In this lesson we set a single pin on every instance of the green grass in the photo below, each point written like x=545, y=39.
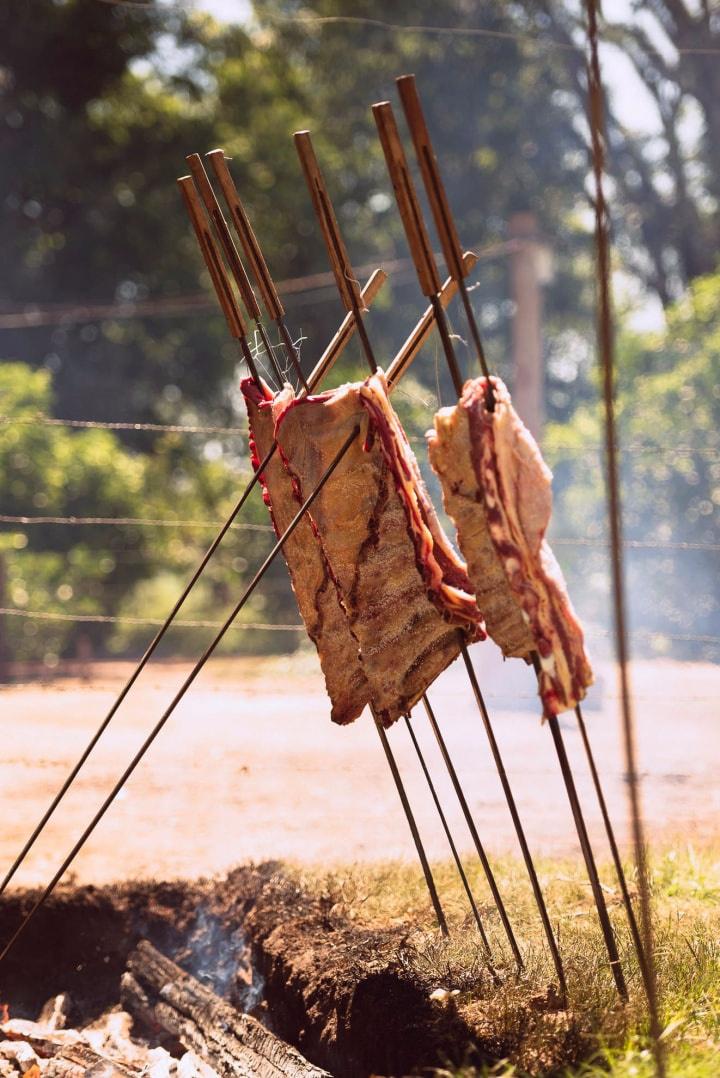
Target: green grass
x=596, y=1035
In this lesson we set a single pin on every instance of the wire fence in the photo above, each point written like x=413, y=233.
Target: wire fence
x=110, y=619
x=172, y=522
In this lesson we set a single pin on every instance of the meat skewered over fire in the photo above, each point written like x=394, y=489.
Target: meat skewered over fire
x=497, y=489
x=383, y=594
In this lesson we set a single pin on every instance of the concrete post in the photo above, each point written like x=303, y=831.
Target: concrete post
x=526, y=277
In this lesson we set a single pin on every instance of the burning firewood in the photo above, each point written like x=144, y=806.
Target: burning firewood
x=236, y=1045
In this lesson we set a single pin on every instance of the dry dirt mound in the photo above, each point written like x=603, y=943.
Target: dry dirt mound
x=341, y=993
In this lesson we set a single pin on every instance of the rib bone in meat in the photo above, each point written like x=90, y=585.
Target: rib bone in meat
x=497, y=489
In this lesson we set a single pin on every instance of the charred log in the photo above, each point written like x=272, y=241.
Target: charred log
x=236, y=1045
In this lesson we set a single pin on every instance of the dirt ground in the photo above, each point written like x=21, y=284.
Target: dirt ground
x=250, y=767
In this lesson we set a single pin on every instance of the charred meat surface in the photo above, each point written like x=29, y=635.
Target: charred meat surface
x=497, y=489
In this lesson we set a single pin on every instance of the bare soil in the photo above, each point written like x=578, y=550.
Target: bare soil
x=338, y=990
x=250, y=767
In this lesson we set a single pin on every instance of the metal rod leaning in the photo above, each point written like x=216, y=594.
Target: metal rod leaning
x=181, y=691
x=349, y=292
x=615, y=852
x=325, y=363
x=255, y=258
x=479, y=848
x=445, y=225
x=453, y=848
x=425, y=266
x=212, y=207
x=607, y=358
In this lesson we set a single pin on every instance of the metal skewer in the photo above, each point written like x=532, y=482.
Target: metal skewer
x=254, y=256
x=445, y=225
x=237, y=269
x=606, y=350
x=424, y=260
x=350, y=294
x=402, y=361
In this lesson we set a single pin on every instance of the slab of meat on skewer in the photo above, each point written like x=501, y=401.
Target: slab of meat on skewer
x=312, y=580
x=403, y=589
x=497, y=489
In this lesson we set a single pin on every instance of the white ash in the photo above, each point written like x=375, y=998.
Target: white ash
x=45, y=1049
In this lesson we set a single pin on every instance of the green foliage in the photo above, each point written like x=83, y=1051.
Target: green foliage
x=124, y=570
x=94, y=127
x=669, y=426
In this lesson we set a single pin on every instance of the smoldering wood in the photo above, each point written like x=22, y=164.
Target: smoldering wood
x=159, y=993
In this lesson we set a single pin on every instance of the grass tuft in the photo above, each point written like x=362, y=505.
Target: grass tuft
x=520, y=1021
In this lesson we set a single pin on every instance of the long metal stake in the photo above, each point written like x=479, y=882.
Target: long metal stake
x=181, y=692
x=617, y=860
x=349, y=292
x=429, y=281
x=519, y=830
x=606, y=348
x=324, y=364
x=588, y=857
x=451, y=843
x=473, y=832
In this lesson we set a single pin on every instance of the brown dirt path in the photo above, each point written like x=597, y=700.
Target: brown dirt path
x=250, y=767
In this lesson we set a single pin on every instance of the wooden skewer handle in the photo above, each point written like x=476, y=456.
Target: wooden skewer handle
x=406, y=197
x=444, y=221
x=248, y=240
x=223, y=233
x=347, y=283
x=425, y=326
x=209, y=251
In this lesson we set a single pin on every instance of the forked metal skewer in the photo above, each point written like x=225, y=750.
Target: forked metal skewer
x=350, y=294
x=402, y=361
x=445, y=225
x=426, y=268
x=214, y=212
x=254, y=256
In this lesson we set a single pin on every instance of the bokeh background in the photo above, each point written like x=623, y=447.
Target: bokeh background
x=107, y=319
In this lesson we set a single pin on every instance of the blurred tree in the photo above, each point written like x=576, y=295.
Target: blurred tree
x=669, y=183
x=669, y=423
x=100, y=569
